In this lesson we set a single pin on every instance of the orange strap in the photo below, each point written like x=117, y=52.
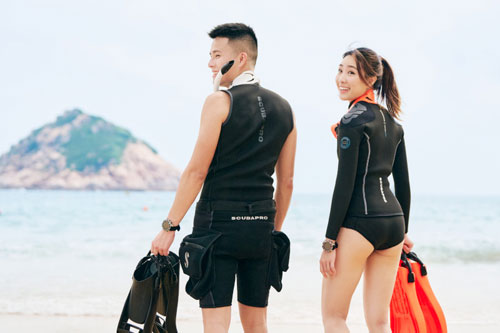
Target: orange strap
x=368, y=96
x=334, y=129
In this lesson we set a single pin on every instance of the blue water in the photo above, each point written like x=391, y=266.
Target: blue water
x=86, y=225
x=58, y=245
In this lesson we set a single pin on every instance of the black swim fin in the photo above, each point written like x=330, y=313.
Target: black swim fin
x=155, y=289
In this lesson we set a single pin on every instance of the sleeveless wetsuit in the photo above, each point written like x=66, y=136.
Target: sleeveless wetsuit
x=237, y=196
x=370, y=146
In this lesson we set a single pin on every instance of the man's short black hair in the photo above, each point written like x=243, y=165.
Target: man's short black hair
x=237, y=32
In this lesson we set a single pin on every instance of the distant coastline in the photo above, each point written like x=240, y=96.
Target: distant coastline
x=83, y=152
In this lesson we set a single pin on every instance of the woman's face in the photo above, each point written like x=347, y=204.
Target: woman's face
x=348, y=80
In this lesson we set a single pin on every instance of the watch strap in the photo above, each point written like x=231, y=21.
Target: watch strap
x=168, y=225
x=329, y=245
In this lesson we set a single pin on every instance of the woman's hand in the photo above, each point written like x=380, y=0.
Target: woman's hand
x=162, y=242
x=407, y=244
x=327, y=263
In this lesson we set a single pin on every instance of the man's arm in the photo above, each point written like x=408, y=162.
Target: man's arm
x=214, y=113
x=284, y=175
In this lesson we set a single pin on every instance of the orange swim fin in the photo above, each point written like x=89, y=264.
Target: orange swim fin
x=433, y=313
x=405, y=312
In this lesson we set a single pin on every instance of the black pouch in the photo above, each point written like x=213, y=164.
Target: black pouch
x=280, y=258
x=196, y=253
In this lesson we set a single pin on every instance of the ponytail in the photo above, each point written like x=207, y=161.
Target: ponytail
x=388, y=90
x=369, y=65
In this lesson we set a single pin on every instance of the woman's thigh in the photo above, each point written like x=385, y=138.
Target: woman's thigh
x=350, y=261
x=380, y=275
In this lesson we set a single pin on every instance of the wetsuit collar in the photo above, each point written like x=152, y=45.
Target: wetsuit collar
x=247, y=77
x=368, y=96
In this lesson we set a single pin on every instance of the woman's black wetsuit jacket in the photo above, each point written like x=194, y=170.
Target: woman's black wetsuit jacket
x=370, y=145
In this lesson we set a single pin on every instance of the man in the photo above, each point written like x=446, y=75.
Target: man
x=246, y=133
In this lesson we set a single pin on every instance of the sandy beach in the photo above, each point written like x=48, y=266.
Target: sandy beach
x=59, y=324
x=72, y=271
x=77, y=324
x=297, y=307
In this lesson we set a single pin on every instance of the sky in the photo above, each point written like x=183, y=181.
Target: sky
x=143, y=65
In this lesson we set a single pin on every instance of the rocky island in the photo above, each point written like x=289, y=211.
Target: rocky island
x=83, y=152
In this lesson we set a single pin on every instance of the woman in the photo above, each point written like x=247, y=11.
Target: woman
x=368, y=224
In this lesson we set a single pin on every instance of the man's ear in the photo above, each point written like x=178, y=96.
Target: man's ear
x=242, y=59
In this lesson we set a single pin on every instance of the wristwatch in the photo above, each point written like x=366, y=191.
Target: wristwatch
x=168, y=225
x=329, y=245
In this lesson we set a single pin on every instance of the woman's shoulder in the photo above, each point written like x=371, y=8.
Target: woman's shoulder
x=361, y=113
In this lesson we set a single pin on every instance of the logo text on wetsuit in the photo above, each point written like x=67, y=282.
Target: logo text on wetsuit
x=263, y=114
x=249, y=218
x=345, y=142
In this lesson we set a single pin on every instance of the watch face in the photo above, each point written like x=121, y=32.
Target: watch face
x=165, y=225
x=327, y=246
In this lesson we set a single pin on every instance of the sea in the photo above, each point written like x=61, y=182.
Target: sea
x=72, y=253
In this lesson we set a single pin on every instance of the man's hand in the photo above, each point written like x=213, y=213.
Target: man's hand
x=162, y=242
x=327, y=263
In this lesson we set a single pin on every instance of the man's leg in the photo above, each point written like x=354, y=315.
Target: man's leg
x=216, y=305
x=253, y=291
x=216, y=320
x=253, y=319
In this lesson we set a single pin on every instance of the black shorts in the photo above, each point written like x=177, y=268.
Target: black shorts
x=243, y=251
x=382, y=232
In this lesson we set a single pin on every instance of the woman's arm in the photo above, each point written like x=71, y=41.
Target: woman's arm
x=349, y=139
x=348, y=148
x=402, y=181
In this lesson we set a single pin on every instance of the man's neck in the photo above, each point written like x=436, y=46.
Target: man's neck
x=245, y=77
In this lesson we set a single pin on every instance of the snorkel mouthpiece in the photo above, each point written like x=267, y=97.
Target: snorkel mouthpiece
x=227, y=67
x=222, y=71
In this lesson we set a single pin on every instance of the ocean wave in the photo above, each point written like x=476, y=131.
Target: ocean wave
x=459, y=255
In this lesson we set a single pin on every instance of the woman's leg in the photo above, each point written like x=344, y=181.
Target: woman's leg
x=216, y=320
x=253, y=319
x=337, y=291
x=380, y=276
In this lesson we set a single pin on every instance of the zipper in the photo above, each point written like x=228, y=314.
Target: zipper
x=198, y=246
x=366, y=172
x=383, y=117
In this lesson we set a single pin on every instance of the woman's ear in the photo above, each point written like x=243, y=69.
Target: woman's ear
x=372, y=81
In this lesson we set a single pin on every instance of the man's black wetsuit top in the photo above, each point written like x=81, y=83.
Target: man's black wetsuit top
x=237, y=197
x=370, y=145
x=249, y=145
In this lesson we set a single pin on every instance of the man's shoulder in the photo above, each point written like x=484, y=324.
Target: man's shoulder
x=275, y=96
x=267, y=96
x=216, y=106
x=220, y=96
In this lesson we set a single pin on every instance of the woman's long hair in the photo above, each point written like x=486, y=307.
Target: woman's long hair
x=370, y=64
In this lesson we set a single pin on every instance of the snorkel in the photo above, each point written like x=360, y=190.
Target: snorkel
x=222, y=71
